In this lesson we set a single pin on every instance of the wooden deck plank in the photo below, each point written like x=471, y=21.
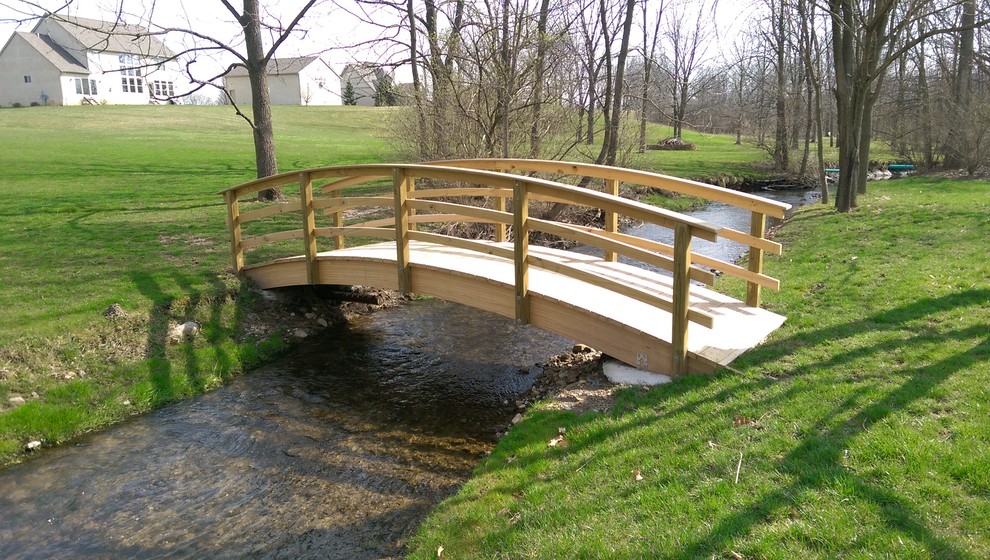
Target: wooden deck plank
x=629, y=330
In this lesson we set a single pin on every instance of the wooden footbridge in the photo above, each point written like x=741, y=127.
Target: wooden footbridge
x=660, y=317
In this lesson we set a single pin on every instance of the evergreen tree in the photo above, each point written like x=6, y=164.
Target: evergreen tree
x=385, y=92
x=348, y=97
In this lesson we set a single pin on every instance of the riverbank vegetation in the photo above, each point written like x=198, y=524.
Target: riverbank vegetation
x=858, y=430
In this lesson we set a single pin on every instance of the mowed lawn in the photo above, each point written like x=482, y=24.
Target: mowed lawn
x=861, y=429
x=110, y=204
x=118, y=204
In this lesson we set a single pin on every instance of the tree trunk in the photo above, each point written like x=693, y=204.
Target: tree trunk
x=416, y=84
x=954, y=150
x=535, y=131
x=257, y=63
x=780, y=150
x=927, y=146
x=610, y=147
x=647, y=70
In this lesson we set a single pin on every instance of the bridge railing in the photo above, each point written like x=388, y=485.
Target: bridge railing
x=485, y=199
x=760, y=209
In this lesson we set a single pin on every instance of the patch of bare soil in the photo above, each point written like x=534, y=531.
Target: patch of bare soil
x=573, y=381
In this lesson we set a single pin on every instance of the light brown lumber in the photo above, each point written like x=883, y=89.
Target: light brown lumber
x=354, y=202
x=460, y=243
x=271, y=210
x=452, y=192
x=234, y=227
x=645, y=178
x=462, y=209
x=660, y=302
x=682, y=303
x=703, y=260
x=400, y=182
x=611, y=218
x=520, y=232
x=357, y=231
x=758, y=225
x=259, y=240
x=636, y=210
x=309, y=228
x=593, y=237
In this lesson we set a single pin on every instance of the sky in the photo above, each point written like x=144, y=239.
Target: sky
x=325, y=30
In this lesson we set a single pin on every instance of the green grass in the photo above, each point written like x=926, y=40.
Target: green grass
x=859, y=430
x=102, y=205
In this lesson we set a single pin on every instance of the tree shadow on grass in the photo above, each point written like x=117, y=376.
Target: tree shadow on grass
x=816, y=462
x=168, y=309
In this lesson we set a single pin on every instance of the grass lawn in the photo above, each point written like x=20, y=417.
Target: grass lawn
x=861, y=429
x=103, y=205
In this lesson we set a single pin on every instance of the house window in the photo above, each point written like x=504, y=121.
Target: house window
x=163, y=89
x=27, y=79
x=132, y=85
x=85, y=87
x=130, y=65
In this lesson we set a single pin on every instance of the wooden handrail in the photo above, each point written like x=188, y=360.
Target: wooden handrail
x=647, y=179
x=412, y=205
x=759, y=207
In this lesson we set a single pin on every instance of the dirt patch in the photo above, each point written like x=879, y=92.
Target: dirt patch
x=572, y=381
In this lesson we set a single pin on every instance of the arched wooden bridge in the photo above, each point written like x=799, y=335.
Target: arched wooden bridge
x=662, y=322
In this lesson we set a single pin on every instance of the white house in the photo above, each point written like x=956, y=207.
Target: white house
x=305, y=80
x=68, y=60
x=364, y=78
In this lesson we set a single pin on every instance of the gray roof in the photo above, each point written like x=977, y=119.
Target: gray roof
x=113, y=36
x=55, y=54
x=278, y=66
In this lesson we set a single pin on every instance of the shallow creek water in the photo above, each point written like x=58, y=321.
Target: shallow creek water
x=337, y=451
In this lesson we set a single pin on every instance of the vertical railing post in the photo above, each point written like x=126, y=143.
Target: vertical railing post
x=520, y=234
x=400, y=184
x=682, y=301
x=611, y=218
x=309, y=227
x=234, y=227
x=338, y=219
x=500, y=227
x=410, y=189
x=757, y=228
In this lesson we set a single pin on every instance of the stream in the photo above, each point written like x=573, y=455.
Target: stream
x=338, y=450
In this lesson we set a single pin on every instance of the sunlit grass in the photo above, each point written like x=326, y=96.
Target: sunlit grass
x=859, y=430
x=112, y=204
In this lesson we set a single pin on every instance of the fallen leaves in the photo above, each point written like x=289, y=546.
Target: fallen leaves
x=559, y=441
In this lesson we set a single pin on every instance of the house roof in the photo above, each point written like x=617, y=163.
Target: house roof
x=59, y=57
x=278, y=66
x=112, y=36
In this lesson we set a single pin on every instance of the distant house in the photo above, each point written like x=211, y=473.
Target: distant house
x=305, y=80
x=69, y=60
x=364, y=78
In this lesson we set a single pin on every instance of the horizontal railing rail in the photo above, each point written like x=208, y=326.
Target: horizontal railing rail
x=760, y=208
x=486, y=197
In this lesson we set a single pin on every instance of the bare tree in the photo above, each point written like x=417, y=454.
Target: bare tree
x=868, y=37
x=688, y=45
x=649, y=61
